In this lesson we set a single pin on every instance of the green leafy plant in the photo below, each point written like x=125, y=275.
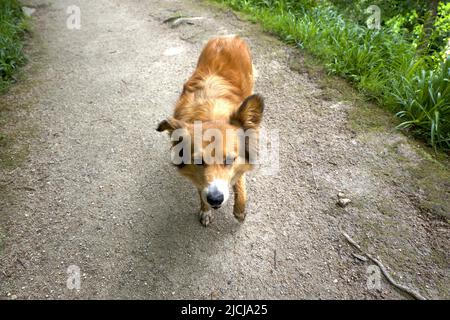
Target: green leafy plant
x=13, y=26
x=425, y=104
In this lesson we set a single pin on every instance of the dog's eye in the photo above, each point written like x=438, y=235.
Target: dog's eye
x=229, y=160
x=182, y=164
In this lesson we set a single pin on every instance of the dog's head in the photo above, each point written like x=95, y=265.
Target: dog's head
x=214, y=154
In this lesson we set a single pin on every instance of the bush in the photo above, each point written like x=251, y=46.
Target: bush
x=12, y=29
x=425, y=104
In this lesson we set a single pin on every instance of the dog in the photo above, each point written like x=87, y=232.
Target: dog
x=217, y=103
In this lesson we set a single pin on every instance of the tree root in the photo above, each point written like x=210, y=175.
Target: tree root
x=401, y=287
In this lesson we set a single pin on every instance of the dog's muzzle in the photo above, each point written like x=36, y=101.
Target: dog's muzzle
x=216, y=193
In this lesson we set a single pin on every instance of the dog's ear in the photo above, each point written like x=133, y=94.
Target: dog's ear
x=249, y=114
x=170, y=125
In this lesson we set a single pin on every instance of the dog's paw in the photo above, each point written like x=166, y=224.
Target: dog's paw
x=240, y=216
x=206, y=217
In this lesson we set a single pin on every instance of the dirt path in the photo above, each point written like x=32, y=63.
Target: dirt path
x=87, y=181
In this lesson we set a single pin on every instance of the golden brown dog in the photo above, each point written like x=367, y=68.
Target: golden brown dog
x=217, y=120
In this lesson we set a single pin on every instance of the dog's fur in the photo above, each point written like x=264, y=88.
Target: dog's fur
x=219, y=94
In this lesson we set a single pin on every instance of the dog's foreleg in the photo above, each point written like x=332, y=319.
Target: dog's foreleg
x=206, y=215
x=240, y=199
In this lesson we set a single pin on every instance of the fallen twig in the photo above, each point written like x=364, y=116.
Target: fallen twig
x=25, y=188
x=178, y=20
x=21, y=263
x=401, y=287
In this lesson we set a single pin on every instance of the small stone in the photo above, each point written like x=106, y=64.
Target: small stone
x=335, y=281
x=13, y=297
x=28, y=11
x=343, y=202
x=341, y=195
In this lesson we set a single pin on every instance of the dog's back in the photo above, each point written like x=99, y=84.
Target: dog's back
x=222, y=80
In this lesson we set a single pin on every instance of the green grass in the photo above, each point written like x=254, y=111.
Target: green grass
x=424, y=103
x=382, y=64
x=13, y=27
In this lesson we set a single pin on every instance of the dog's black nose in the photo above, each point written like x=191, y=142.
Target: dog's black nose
x=215, y=198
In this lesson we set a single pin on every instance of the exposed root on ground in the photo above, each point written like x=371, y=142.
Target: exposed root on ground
x=383, y=269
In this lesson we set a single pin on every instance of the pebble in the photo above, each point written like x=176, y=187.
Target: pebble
x=28, y=11
x=341, y=195
x=343, y=202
